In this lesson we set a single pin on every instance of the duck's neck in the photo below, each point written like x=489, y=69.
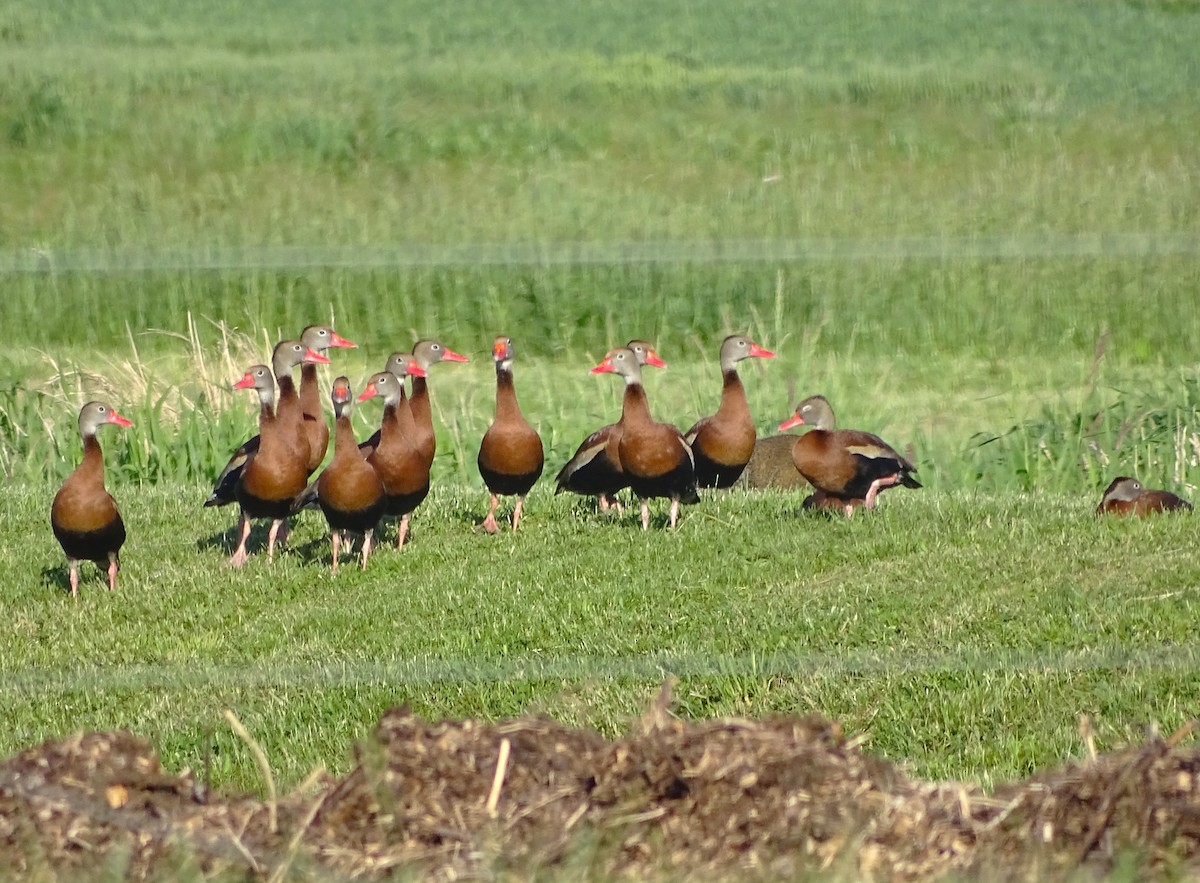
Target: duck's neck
x=91, y=467
x=310, y=391
x=419, y=402
x=506, y=395
x=634, y=407
x=733, y=396
x=344, y=444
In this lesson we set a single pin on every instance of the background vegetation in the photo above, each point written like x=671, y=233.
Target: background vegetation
x=974, y=227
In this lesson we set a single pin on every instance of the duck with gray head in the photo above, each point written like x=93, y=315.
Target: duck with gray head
x=84, y=515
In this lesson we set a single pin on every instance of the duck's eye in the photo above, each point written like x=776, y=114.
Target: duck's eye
x=741, y=343
x=102, y=409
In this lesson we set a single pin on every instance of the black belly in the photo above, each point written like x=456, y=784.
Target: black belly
x=403, y=504
x=597, y=476
x=356, y=520
x=92, y=545
x=678, y=484
x=262, y=507
x=710, y=473
x=506, y=484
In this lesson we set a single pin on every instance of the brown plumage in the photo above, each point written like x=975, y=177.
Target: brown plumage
x=510, y=454
x=84, y=516
x=771, y=465
x=427, y=353
x=848, y=464
x=317, y=338
x=723, y=443
x=277, y=472
x=401, y=467
x=349, y=489
x=654, y=455
x=591, y=471
x=1126, y=496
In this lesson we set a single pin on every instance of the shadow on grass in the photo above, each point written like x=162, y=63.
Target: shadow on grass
x=59, y=576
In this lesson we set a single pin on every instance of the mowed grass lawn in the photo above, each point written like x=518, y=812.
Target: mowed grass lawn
x=955, y=219
x=963, y=632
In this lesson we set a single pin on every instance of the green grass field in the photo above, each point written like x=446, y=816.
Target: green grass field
x=976, y=228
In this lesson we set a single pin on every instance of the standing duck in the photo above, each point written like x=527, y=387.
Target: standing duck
x=427, y=353
x=723, y=443
x=84, y=516
x=653, y=455
x=277, y=472
x=510, y=455
x=591, y=471
x=349, y=490
x=317, y=338
x=1126, y=496
x=771, y=465
x=400, y=466
x=846, y=464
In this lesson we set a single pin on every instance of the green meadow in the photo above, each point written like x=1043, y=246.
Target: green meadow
x=974, y=227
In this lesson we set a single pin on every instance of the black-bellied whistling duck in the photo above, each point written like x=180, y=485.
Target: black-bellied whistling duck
x=349, y=489
x=427, y=353
x=510, y=455
x=277, y=472
x=654, y=455
x=1126, y=496
x=722, y=444
x=771, y=465
x=401, y=466
x=84, y=516
x=847, y=464
x=293, y=411
x=317, y=338
x=591, y=471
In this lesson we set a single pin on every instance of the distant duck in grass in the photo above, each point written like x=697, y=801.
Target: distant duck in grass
x=771, y=465
x=84, y=515
x=723, y=443
x=847, y=464
x=510, y=455
x=592, y=470
x=401, y=467
x=1126, y=496
x=317, y=338
x=277, y=472
x=654, y=455
x=349, y=490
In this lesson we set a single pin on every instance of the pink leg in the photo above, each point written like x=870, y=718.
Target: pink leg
x=876, y=486
x=73, y=573
x=336, y=537
x=645, y=515
x=368, y=538
x=604, y=502
x=113, y=566
x=272, y=534
x=403, y=532
x=284, y=530
x=489, y=523
x=240, y=556
x=674, y=513
x=517, y=513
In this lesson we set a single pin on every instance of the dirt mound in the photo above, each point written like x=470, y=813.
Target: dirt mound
x=772, y=798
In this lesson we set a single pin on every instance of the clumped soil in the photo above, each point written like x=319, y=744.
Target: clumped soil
x=766, y=799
